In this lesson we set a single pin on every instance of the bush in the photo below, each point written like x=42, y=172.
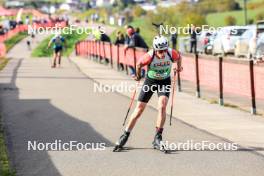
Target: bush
x=259, y=16
x=250, y=21
x=209, y=6
x=138, y=11
x=255, y=5
x=230, y=21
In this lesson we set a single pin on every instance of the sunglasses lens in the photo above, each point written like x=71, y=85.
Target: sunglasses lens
x=161, y=51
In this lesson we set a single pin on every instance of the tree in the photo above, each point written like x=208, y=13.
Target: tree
x=138, y=11
x=259, y=16
x=195, y=19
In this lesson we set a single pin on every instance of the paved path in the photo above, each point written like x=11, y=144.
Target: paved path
x=44, y=104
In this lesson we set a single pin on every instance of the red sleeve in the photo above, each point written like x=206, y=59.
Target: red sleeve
x=145, y=59
x=175, y=55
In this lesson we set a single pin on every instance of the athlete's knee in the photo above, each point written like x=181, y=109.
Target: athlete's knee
x=139, y=109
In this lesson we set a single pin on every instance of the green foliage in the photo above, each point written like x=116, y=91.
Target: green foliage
x=179, y=17
x=209, y=6
x=255, y=5
x=230, y=21
x=138, y=11
x=41, y=50
x=5, y=169
x=71, y=39
x=259, y=16
x=3, y=62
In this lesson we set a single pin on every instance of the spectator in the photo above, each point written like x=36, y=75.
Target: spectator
x=173, y=39
x=2, y=31
x=27, y=21
x=193, y=39
x=120, y=39
x=132, y=40
x=104, y=38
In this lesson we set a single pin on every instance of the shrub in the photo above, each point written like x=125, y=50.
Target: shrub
x=230, y=20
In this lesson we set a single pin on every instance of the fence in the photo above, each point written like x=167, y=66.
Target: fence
x=241, y=78
x=22, y=28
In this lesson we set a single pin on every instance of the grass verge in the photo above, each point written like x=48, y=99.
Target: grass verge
x=14, y=40
x=3, y=62
x=5, y=168
x=42, y=51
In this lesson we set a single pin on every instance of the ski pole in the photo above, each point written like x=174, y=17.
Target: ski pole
x=131, y=102
x=172, y=98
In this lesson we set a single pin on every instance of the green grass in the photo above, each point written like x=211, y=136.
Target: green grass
x=42, y=51
x=218, y=19
x=5, y=168
x=3, y=62
x=14, y=40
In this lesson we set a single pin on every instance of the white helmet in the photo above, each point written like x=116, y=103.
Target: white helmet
x=160, y=43
x=57, y=34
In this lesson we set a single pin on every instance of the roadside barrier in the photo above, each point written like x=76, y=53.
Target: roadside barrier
x=23, y=28
x=226, y=76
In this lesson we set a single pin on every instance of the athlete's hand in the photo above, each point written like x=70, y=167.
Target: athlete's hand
x=178, y=69
x=137, y=78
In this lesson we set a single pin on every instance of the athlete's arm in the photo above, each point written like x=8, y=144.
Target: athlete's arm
x=65, y=44
x=144, y=60
x=138, y=71
x=176, y=57
x=51, y=41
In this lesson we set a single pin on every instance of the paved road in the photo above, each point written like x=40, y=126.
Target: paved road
x=44, y=104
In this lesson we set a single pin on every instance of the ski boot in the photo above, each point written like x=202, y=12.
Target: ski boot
x=121, y=142
x=157, y=143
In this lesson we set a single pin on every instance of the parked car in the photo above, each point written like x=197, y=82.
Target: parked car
x=247, y=44
x=184, y=44
x=224, y=42
x=260, y=47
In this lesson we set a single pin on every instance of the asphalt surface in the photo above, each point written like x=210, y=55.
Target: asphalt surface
x=43, y=104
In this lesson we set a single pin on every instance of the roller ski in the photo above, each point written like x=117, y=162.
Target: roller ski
x=121, y=142
x=158, y=144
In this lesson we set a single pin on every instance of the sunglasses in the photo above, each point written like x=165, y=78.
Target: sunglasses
x=161, y=51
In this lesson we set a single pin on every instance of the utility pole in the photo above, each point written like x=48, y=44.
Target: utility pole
x=245, y=11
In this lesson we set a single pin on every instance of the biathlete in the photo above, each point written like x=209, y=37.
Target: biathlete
x=58, y=43
x=160, y=62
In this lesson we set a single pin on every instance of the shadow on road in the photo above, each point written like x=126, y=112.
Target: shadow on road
x=38, y=120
